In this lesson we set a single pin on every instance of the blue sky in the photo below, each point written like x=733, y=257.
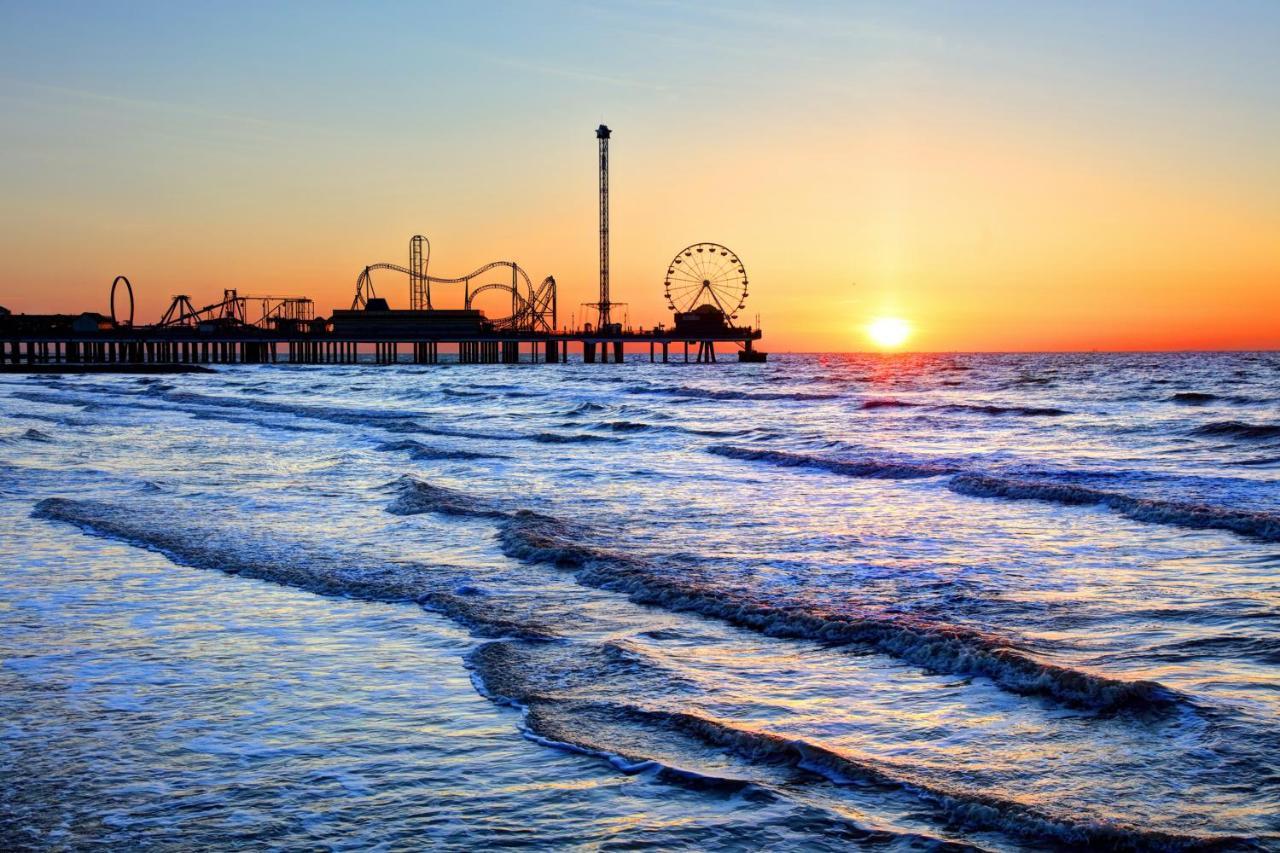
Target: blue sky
x=243, y=129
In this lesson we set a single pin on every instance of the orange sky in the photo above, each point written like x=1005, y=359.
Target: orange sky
x=1001, y=186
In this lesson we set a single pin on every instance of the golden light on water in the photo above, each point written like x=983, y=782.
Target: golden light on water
x=888, y=332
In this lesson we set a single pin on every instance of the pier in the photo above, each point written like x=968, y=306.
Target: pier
x=43, y=340
x=705, y=286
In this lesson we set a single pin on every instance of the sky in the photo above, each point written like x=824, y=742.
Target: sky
x=1001, y=176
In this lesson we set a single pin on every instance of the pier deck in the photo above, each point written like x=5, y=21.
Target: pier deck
x=252, y=345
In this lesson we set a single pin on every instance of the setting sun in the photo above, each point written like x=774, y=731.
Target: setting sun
x=888, y=332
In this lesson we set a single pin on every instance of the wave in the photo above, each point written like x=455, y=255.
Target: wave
x=602, y=731
x=623, y=426
x=380, y=418
x=871, y=468
x=1251, y=523
x=715, y=433
x=295, y=564
x=585, y=408
x=568, y=437
x=887, y=404
x=635, y=739
x=688, y=393
x=36, y=435
x=422, y=453
x=935, y=646
x=415, y=496
x=450, y=432
x=1238, y=429
x=132, y=401
x=390, y=421
x=1228, y=647
x=228, y=418
x=1258, y=525
x=988, y=409
x=56, y=399
x=395, y=422
x=940, y=647
x=1193, y=398
x=960, y=806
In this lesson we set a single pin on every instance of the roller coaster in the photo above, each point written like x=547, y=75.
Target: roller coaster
x=532, y=309
x=235, y=309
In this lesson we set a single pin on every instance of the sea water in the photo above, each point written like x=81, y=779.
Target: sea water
x=1004, y=602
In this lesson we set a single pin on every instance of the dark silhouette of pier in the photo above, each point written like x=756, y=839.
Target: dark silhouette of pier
x=705, y=286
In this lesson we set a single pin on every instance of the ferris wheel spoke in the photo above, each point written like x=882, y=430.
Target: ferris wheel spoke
x=726, y=296
x=730, y=302
x=718, y=302
x=686, y=290
x=692, y=270
x=703, y=263
x=682, y=285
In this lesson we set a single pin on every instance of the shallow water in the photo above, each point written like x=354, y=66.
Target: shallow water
x=1004, y=602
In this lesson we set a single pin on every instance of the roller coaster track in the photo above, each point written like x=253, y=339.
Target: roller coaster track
x=529, y=310
x=235, y=307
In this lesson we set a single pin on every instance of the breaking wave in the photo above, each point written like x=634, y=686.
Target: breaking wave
x=415, y=496
x=637, y=739
x=935, y=646
x=296, y=565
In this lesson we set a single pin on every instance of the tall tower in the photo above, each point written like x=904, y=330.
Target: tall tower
x=419, y=284
x=602, y=134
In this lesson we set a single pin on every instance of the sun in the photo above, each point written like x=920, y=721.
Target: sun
x=888, y=332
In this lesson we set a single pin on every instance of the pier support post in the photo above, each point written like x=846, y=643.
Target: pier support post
x=588, y=352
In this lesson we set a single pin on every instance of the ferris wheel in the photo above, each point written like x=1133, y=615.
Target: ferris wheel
x=706, y=274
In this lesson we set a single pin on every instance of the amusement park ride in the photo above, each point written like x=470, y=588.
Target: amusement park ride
x=705, y=286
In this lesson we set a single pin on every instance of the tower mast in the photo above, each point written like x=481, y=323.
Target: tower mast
x=602, y=134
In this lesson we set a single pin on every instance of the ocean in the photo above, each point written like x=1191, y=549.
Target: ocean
x=996, y=602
